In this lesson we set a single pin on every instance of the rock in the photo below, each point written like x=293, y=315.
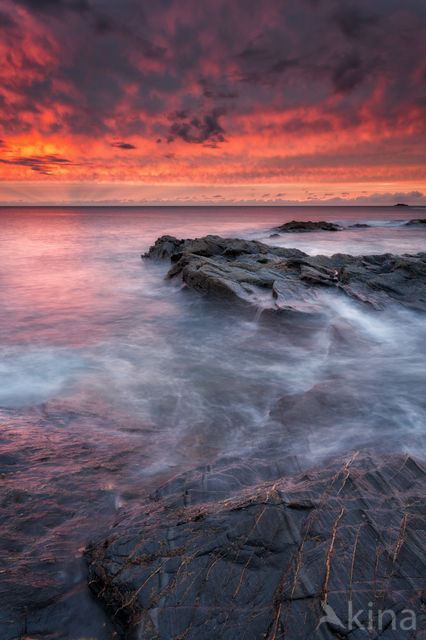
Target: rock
x=359, y=225
x=275, y=235
x=318, y=276
x=209, y=246
x=165, y=247
x=401, y=204
x=256, y=275
x=296, y=226
x=216, y=553
x=384, y=277
x=416, y=222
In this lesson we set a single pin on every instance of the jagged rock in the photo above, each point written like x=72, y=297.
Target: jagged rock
x=255, y=274
x=216, y=553
x=165, y=247
x=296, y=226
x=318, y=276
x=209, y=246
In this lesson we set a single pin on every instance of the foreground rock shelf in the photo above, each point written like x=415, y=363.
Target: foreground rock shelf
x=289, y=280
x=221, y=553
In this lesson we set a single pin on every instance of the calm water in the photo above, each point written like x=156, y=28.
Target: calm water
x=112, y=380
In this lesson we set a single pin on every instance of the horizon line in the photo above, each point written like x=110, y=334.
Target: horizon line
x=208, y=206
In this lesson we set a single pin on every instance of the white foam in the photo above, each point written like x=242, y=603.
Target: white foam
x=33, y=374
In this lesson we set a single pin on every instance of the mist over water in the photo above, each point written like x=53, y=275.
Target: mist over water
x=112, y=379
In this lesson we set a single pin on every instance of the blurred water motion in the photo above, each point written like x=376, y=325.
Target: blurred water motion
x=112, y=380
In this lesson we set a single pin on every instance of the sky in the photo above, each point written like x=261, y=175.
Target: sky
x=213, y=102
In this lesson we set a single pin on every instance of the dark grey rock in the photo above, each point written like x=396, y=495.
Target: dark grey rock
x=219, y=553
x=300, y=226
x=416, y=222
x=165, y=247
x=257, y=275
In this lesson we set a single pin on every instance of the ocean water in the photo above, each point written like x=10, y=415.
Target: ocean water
x=112, y=380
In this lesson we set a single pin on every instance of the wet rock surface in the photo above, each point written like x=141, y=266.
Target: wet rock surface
x=254, y=273
x=245, y=549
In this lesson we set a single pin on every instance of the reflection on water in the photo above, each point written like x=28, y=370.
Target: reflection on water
x=112, y=379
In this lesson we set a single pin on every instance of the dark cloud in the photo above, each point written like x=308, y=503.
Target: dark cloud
x=298, y=125
x=114, y=70
x=182, y=114
x=103, y=25
x=205, y=129
x=55, y=6
x=262, y=62
x=123, y=145
x=352, y=21
x=6, y=21
x=40, y=164
x=221, y=90
x=349, y=72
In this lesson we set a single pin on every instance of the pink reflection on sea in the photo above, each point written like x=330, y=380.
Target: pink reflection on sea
x=112, y=379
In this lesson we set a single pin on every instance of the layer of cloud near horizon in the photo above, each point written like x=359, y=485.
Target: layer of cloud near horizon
x=216, y=92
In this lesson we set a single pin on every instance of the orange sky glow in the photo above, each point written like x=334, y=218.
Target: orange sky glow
x=322, y=103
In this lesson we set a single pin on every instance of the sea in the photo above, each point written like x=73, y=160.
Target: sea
x=114, y=379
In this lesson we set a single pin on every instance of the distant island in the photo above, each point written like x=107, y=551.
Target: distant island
x=401, y=204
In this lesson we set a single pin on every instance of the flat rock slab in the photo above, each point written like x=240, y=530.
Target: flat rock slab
x=295, y=557
x=255, y=274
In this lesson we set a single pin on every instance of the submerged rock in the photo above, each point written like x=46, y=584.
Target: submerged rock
x=359, y=225
x=300, y=226
x=255, y=274
x=221, y=552
x=416, y=222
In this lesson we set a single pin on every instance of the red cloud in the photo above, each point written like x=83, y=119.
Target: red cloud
x=269, y=95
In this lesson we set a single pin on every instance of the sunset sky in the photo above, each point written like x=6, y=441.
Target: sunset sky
x=212, y=102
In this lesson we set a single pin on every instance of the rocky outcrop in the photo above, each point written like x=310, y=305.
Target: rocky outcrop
x=288, y=280
x=257, y=547
x=230, y=551
x=300, y=226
